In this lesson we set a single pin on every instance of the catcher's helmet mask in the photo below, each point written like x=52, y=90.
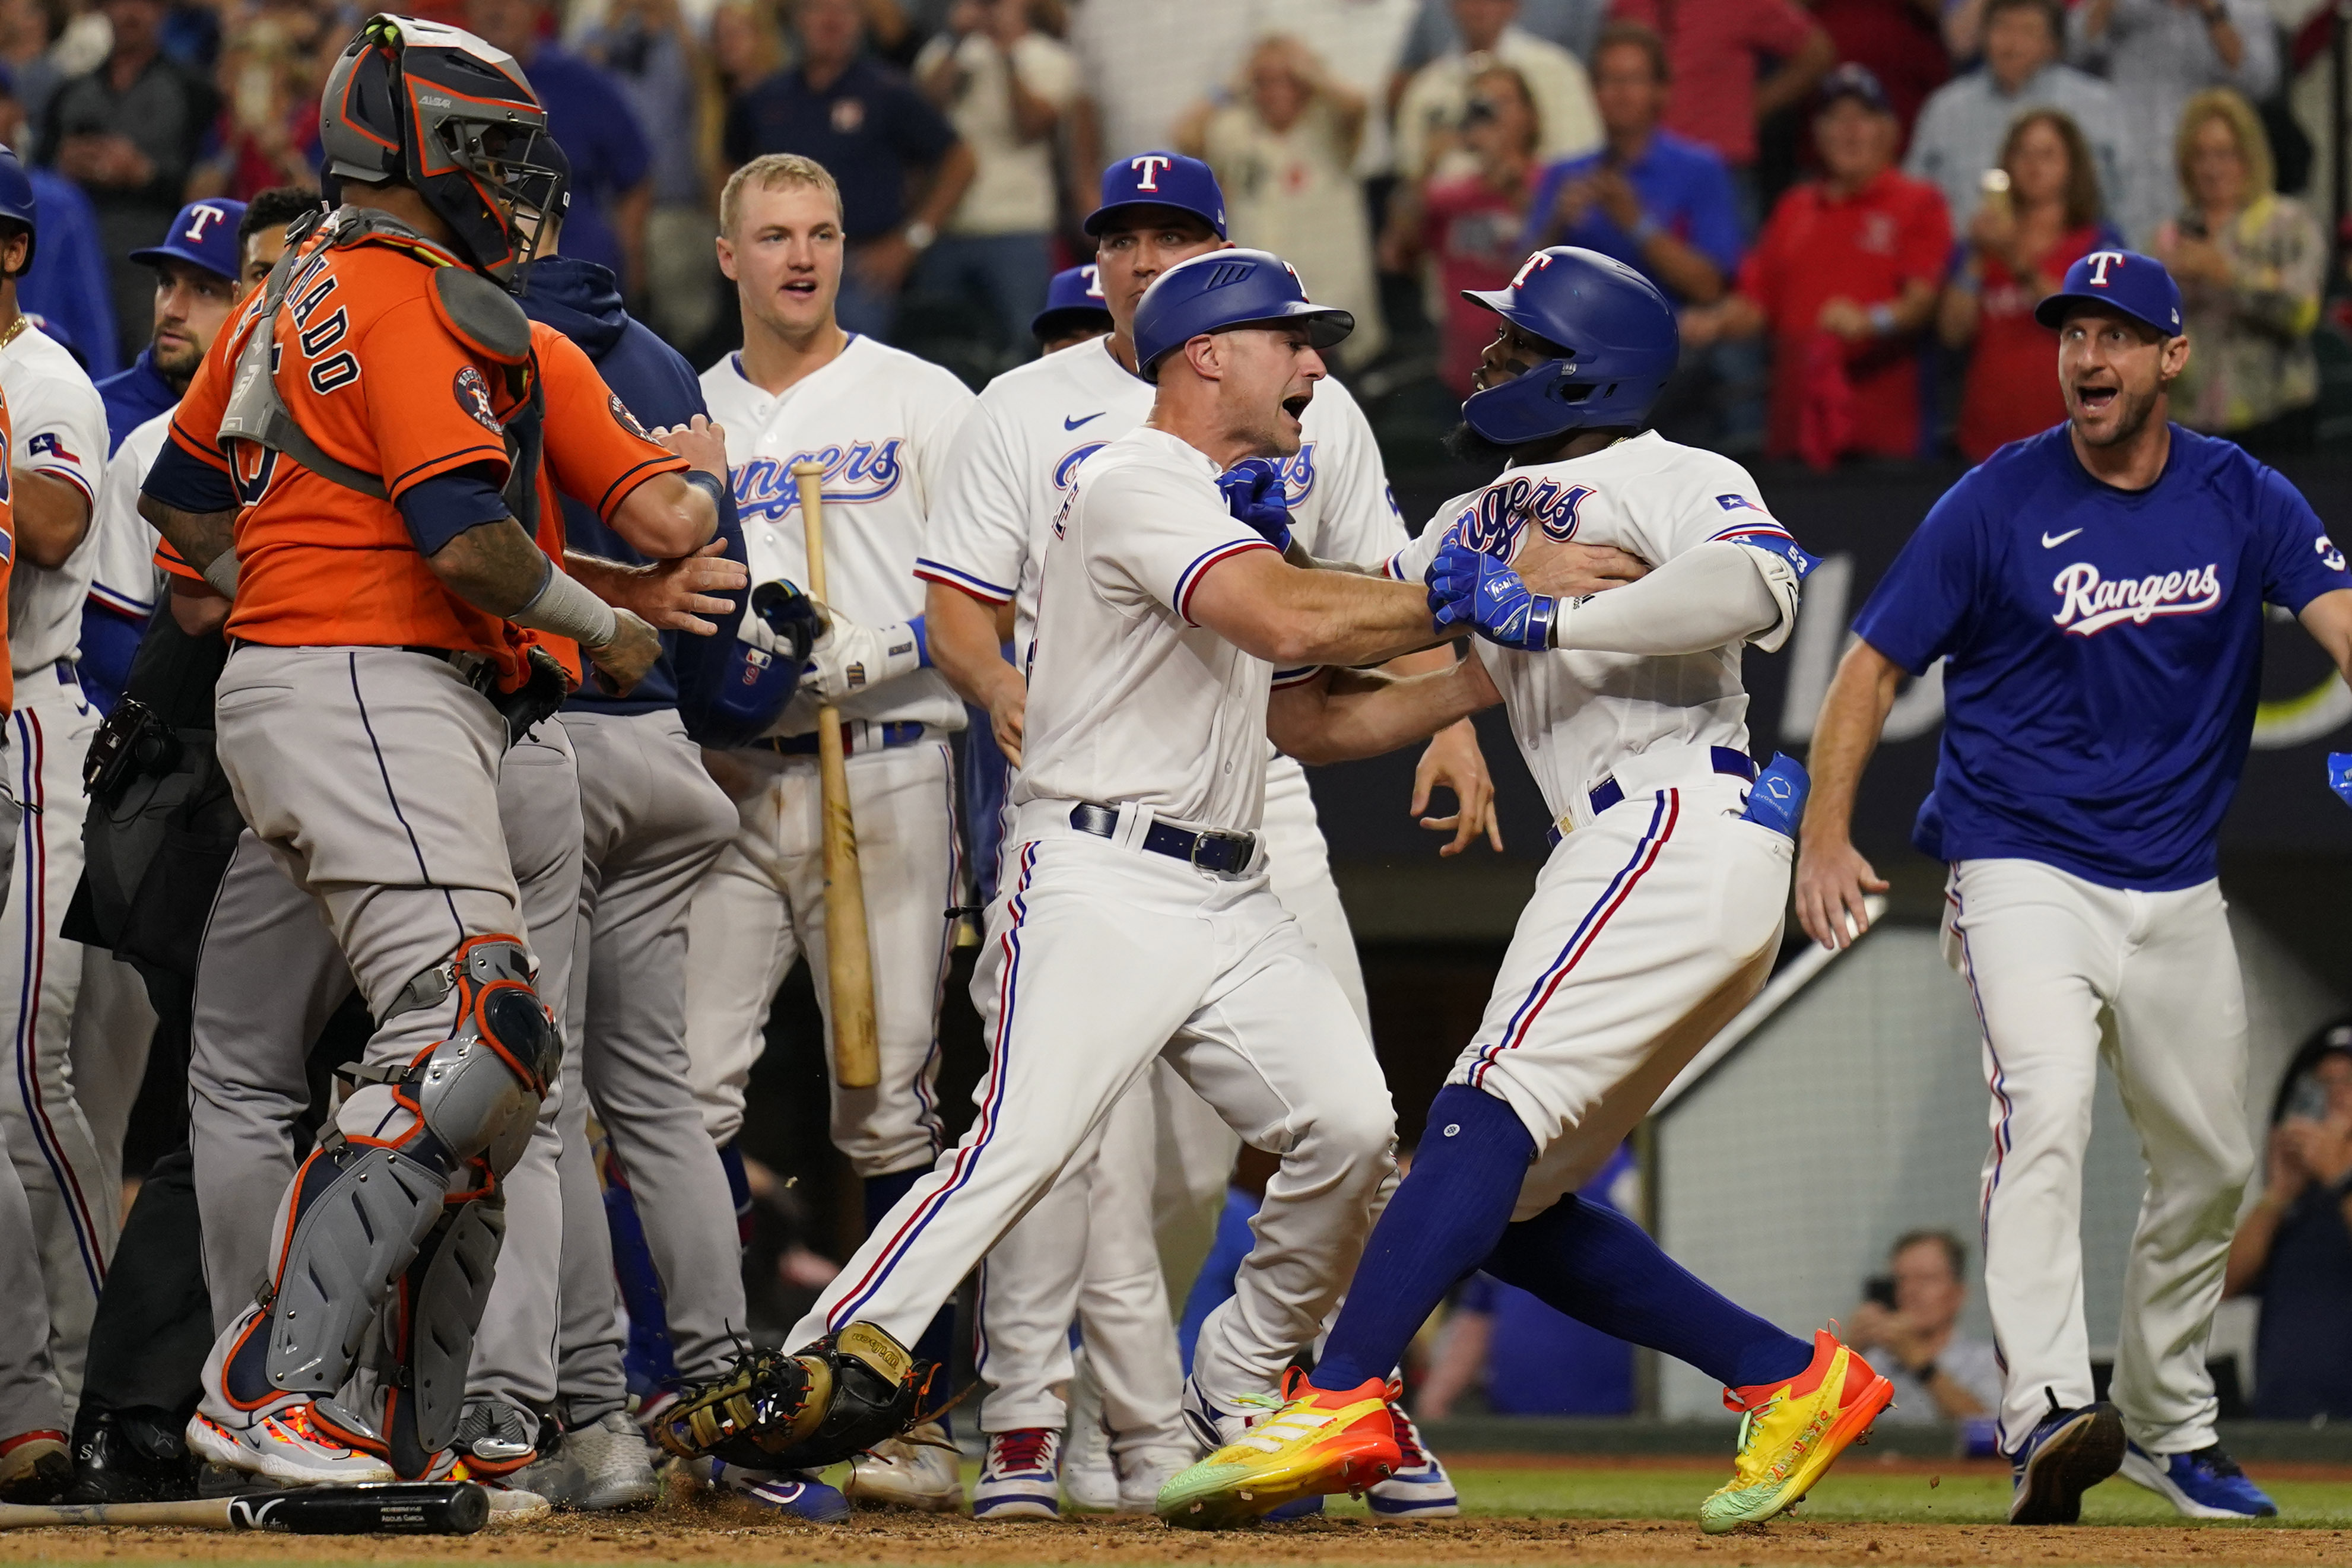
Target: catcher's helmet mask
x=437, y=109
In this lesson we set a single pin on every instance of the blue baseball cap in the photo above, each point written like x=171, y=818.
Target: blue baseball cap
x=1161, y=180
x=2122, y=280
x=203, y=234
x=1072, y=300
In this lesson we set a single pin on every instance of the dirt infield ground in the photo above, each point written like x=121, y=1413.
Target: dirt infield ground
x=1527, y=1511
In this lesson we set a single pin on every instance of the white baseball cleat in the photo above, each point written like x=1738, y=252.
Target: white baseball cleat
x=915, y=1471
x=1419, y=1489
x=285, y=1445
x=1142, y=1473
x=1021, y=1478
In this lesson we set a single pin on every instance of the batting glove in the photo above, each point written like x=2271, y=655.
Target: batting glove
x=1254, y=494
x=1469, y=587
x=850, y=658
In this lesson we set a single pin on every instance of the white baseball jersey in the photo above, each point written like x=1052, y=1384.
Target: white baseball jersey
x=1129, y=699
x=57, y=430
x=882, y=422
x=125, y=578
x=1576, y=715
x=1014, y=461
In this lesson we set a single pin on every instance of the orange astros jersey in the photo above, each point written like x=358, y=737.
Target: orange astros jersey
x=371, y=373
x=594, y=451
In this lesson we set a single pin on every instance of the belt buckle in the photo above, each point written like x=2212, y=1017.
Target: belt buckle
x=1219, y=836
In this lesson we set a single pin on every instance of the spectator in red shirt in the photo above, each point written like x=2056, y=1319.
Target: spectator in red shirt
x=1843, y=277
x=1469, y=224
x=1716, y=47
x=2019, y=245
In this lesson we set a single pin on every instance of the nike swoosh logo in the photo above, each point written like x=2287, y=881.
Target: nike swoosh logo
x=1070, y=424
x=2050, y=543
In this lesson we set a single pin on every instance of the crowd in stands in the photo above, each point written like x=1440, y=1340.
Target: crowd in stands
x=1854, y=202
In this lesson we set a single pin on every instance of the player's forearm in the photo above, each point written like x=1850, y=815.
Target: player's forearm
x=1852, y=714
x=1346, y=714
x=666, y=517
x=51, y=518
x=495, y=567
x=964, y=644
x=200, y=537
x=1348, y=619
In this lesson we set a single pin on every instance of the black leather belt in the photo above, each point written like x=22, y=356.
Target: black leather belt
x=476, y=669
x=1214, y=850
x=1737, y=763
x=896, y=732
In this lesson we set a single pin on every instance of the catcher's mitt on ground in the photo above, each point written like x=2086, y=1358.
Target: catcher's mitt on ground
x=824, y=1402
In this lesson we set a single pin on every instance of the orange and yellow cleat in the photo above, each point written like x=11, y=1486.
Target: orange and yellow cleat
x=1790, y=1433
x=1321, y=1441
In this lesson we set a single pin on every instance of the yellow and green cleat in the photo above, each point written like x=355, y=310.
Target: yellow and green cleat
x=1320, y=1441
x=1790, y=1433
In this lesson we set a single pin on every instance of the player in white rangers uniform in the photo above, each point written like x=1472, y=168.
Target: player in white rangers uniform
x=1013, y=464
x=1133, y=917
x=881, y=421
x=57, y=454
x=1654, y=919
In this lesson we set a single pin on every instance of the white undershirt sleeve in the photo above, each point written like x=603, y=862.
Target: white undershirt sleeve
x=1712, y=594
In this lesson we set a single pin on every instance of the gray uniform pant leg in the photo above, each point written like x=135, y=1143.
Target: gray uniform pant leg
x=28, y=1385
x=654, y=824
x=268, y=979
x=539, y=804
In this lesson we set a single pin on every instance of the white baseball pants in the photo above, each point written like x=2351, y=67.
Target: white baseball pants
x=29, y=1388
x=2044, y=951
x=761, y=907
x=1086, y=1251
x=76, y=1207
x=1103, y=957
x=1651, y=926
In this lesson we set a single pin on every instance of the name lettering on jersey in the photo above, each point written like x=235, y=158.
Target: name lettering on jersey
x=1067, y=468
x=861, y=471
x=1492, y=524
x=2089, y=603
x=1298, y=477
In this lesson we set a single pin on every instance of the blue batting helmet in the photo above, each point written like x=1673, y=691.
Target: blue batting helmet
x=1220, y=290
x=764, y=667
x=1618, y=345
x=17, y=203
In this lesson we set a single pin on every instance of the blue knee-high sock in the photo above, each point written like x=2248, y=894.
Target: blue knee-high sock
x=646, y=1361
x=1601, y=1269
x=739, y=1189
x=937, y=1342
x=1446, y=1217
x=1214, y=1283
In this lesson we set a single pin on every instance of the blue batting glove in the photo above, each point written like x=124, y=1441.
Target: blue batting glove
x=1254, y=494
x=2339, y=775
x=1466, y=585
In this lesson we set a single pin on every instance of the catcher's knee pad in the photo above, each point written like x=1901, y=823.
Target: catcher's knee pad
x=478, y=1091
x=354, y=1221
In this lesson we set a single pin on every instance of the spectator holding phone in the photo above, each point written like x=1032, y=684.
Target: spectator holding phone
x=2294, y=1248
x=1429, y=112
x=1468, y=225
x=2250, y=263
x=2040, y=215
x=1909, y=1326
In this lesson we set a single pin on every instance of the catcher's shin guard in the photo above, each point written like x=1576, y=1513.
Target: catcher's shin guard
x=823, y=1404
x=438, y=1308
x=361, y=1207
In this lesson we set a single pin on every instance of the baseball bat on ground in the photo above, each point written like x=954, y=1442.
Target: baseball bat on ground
x=393, y=1508
x=848, y=964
